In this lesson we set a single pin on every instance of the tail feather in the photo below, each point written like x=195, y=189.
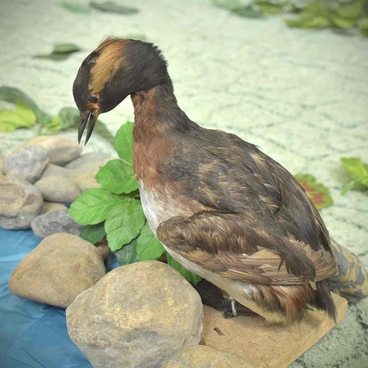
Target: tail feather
x=323, y=299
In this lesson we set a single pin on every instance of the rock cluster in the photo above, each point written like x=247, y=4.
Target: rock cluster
x=40, y=177
x=136, y=316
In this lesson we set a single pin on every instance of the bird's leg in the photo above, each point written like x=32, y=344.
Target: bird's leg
x=233, y=307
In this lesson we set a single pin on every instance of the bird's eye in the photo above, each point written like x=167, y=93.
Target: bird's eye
x=93, y=99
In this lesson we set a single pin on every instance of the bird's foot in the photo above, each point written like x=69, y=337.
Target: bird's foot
x=233, y=309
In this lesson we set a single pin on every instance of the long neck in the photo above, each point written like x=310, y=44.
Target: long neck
x=157, y=111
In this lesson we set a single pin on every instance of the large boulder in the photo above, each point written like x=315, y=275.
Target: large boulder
x=58, y=189
x=57, y=270
x=27, y=163
x=59, y=150
x=205, y=357
x=53, y=222
x=20, y=202
x=136, y=316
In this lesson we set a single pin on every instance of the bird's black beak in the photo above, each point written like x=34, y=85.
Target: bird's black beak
x=85, y=116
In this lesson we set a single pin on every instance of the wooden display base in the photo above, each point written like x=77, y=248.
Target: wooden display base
x=267, y=346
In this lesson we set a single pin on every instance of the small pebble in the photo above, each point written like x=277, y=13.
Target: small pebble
x=20, y=202
x=59, y=150
x=58, y=189
x=55, y=170
x=52, y=206
x=53, y=222
x=27, y=163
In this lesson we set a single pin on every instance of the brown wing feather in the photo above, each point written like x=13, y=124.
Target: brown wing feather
x=229, y=245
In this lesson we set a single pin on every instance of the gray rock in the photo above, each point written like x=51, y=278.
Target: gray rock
x=53, y=222
x=58, y=189
x=52, y=206
x=205, y=357
x=88, y=158
x=20, y=202
x=136, y=316
x=59, y=150
x=27, y=163
x=57, y=270
x=55, y=170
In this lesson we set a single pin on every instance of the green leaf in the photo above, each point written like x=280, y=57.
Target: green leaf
x=60, y=52
x=127, y=254
x=357, y=170
x=94, y=205
x=111, y=7
x=22, y=117
x=227, y=4
x=15, y=95
x=117, y=177
x=343, y=22
x=266, y=7
x=65, y=48
x=93, y=233
x=247, y=12
x=352, y=10
x=148, y=247
x=123, y=142
x=75, y=8
x=363, y=26
x=124, y=223
x=55, y=57
x=308, y=21
x=136, y=36
x=191, y=277
x=317, y=192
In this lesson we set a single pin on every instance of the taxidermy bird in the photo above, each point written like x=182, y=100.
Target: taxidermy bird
x=222, y=208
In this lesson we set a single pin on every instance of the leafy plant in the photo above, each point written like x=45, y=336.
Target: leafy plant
x=116, y=210
x=312, y=14
x=60, y=52
x=317, y=192
x=358, y=172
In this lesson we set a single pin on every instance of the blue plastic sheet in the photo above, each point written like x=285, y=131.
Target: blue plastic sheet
x=31, y=334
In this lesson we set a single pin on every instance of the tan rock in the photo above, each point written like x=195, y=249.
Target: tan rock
x=58, y=189
x=86, y=181
x=57, y=270
x=52, y=206
x=205, y=357
x=137, y=316
x=59, y=150
x=55, y=170
x=20, y=202
x=94, y=158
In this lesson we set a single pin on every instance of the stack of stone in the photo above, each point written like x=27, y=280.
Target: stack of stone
x=41, y=176
x=142, y=315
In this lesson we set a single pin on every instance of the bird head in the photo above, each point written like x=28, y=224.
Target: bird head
x=116, y=69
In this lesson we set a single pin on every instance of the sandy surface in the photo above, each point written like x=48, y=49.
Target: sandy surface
x=302, y=96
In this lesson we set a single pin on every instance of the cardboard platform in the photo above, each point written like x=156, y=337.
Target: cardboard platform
x=267, y=346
